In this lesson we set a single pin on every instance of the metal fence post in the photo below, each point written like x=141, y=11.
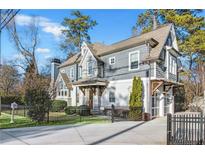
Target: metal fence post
x=201, y=129
x=169, y=127
x=112, y=113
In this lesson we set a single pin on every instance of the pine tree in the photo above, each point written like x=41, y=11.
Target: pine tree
x=76, y=31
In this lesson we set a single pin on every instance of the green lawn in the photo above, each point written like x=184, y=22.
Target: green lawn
x=55, y=119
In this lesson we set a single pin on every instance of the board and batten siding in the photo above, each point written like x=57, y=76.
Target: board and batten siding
x=160, y=72
x=67, y=70
x=120, y=70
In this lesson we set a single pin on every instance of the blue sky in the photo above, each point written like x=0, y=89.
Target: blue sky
x=113, y=26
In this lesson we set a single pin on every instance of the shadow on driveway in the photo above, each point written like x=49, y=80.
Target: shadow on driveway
x=116, y=134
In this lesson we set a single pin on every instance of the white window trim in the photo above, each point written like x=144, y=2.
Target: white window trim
x=111, y=59
x=130, y=61
x=172, y=65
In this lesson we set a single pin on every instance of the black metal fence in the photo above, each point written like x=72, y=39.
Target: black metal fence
x=186, y=129
x=111, y=114
x=20, y=111
x=119, y=114
x=77, y=116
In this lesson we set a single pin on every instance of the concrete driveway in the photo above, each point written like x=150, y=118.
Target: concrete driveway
x=152, y=132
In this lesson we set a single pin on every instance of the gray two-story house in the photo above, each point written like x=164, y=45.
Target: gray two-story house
x=101, y=75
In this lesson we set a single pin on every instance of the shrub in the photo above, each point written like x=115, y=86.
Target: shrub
x=70, y=110
x=135, y=103
x=10, y=99
x=83, y=110
x=36, y=93
x=58, y=105
x=38, y=102
x=135, y=114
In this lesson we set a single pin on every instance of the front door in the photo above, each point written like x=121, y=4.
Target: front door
x=90, y=99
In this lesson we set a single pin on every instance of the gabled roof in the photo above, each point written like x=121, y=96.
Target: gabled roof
x=74, y=59
x=66, y=81
x=156, y=38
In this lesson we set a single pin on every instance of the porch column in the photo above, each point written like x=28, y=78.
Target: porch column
x=161, y=105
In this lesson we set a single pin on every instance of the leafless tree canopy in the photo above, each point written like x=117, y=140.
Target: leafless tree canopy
x=26, y=41
x=9, y=79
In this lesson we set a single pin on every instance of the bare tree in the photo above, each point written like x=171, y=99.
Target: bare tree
x=26, y=41
x=9, y=79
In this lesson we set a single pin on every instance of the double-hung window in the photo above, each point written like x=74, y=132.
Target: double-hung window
x=80, y=71
x=90, y=68
x=172, y=65
x=112, y=96
x=134, y=60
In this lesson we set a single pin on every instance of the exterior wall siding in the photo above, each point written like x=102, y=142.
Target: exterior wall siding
x=160, y=73
x=172, y=77
x=122, y=90
x=120, y=70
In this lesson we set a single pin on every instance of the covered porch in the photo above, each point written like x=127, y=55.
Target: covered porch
x=162, y=96
x=92, y=90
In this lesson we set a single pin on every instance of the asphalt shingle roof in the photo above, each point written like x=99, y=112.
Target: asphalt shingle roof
x=157, y=37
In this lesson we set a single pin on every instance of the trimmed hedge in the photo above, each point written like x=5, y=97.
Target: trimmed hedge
x=58, y=105
x=70, y=110
x=83, y=110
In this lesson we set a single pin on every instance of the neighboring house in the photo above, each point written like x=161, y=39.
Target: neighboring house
x=102, y=75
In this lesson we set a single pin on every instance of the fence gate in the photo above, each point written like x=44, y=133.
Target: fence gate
x=186, y=129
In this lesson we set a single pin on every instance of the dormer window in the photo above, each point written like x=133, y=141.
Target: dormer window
x=90, y=68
